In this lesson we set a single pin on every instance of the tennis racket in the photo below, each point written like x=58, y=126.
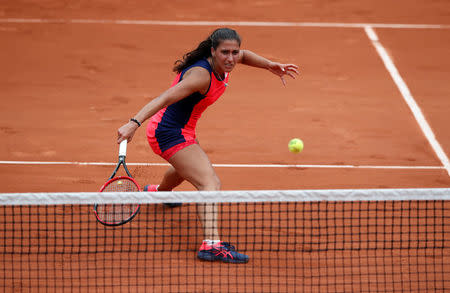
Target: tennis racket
x=118, y=214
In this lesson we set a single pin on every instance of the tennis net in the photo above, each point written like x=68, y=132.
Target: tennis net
x=364, y=240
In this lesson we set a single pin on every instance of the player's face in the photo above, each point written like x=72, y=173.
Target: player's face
x=225, y=55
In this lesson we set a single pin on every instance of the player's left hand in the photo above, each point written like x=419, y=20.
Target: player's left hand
x=284, y=69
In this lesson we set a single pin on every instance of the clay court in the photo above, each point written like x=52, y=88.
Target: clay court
x=67, y=86
x=73, y=72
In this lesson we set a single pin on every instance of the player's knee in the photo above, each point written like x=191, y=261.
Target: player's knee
x=217, y=183
x=210, y=183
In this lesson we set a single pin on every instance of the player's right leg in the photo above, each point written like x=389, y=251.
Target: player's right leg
x=170, y=180
x=192, y=164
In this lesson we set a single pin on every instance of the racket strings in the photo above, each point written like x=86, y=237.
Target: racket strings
x=117, y=213
x=121, y=185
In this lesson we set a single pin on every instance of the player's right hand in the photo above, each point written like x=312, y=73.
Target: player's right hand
x=126, y=132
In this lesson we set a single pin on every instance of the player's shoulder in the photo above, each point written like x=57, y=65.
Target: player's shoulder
x=200, y=70
x=203, y=63
x=199, y=65
x=197, y=78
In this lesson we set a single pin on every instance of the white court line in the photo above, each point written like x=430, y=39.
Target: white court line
x=229, y=165
x=227, y=23
x=409, y=99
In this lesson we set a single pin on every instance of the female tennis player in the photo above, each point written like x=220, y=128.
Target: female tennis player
x=203, y=76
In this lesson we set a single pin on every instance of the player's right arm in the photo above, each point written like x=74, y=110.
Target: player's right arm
x=194, y=80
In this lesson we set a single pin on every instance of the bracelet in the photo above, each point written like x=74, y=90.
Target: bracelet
x=135, y=121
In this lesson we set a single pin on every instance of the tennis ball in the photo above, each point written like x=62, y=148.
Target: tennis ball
x=295, y=145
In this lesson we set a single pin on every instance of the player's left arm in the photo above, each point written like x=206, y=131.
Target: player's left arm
x=252, y=59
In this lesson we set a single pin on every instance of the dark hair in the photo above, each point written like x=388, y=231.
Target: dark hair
x=204, y=48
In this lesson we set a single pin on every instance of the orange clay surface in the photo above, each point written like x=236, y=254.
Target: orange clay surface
x=66, y=88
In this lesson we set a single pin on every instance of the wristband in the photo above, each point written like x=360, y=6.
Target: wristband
x=135, y=121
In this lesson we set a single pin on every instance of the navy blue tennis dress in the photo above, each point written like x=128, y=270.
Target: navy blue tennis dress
x=173, y=127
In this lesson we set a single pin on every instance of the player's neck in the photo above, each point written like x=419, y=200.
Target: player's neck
x=219, y=75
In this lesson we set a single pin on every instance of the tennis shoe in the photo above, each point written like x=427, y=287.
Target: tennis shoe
x=222, y=251
x=151, y=187
x=154, y=188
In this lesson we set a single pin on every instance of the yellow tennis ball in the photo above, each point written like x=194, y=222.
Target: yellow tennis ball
x=295, y=145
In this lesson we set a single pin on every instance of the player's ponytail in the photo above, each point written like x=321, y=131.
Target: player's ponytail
x=204, y=48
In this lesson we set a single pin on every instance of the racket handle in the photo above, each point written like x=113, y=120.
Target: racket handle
x=123, y=148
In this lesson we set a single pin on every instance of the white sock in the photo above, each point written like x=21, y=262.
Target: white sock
x=211, y=242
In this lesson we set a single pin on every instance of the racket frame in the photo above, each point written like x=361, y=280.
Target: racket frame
x=121, y=162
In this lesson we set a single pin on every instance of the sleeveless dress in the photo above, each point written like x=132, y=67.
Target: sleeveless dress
x=173, y=127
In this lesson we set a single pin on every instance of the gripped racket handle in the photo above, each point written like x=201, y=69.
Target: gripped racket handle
x=123, y=148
